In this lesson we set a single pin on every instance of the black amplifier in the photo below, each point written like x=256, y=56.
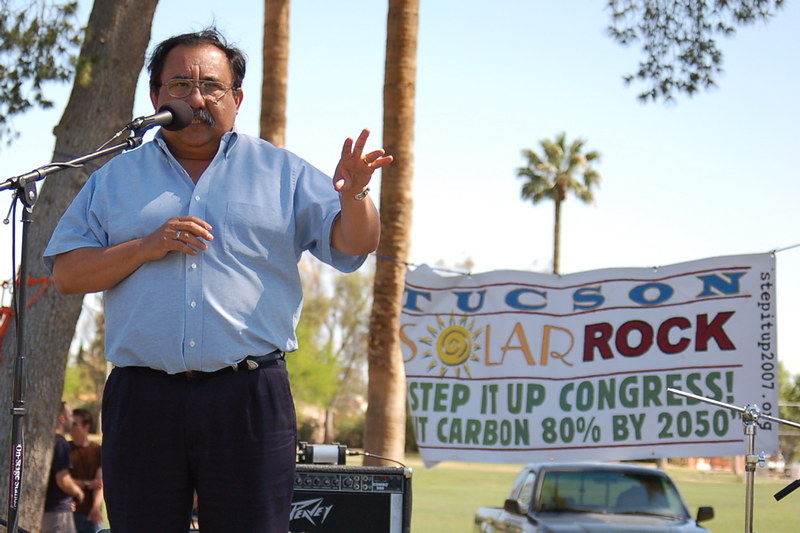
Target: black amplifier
x=351, y=499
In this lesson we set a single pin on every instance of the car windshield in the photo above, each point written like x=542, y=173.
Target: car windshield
x=608, y=491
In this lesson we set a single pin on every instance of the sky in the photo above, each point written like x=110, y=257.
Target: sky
x=711, y=175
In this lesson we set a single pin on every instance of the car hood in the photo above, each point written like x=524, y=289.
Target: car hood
x=616, y=523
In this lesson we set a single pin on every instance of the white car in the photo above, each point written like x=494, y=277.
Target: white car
x=592, y=498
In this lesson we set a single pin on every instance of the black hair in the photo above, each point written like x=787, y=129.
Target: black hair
x=86, y=416
x=211, y=36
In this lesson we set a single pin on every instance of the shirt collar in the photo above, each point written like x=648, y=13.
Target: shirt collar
x=226, y=144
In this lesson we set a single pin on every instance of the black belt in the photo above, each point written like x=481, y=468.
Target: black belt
x=251, y=362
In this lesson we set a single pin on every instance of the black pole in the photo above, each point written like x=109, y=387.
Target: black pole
x=788, y=489
x=17, y=395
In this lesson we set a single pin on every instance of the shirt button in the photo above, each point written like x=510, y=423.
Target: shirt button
x=194, y=265
x=193, y=304
x=191, y=344
x=197, y=198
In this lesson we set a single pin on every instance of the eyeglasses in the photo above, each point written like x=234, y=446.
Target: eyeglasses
x=183, y=87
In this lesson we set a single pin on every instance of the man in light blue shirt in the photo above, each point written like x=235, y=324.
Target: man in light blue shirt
x=195, y=239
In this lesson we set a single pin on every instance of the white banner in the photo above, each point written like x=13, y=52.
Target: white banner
x=513, y=367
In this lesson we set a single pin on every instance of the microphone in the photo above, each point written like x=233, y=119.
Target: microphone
x=173, y=116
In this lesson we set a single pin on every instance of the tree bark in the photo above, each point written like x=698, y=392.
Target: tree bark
x=101, y=102
x=275, y=74
x=385, y=421
x=557, y=238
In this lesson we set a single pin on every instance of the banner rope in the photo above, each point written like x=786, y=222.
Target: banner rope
x=7, y=312
x=469, y=273
x=415, y=265
x=778, y=250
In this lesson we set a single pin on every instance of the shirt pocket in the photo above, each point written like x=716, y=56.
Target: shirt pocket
x=252, y=230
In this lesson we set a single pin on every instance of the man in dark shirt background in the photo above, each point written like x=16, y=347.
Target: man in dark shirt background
x=61, y=488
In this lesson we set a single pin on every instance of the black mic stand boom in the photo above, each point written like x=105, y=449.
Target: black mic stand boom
x=24, y=187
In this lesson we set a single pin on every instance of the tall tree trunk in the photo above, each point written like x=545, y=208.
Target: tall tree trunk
x=101, y=102
x=385, y=422
x=557, y=238
x=274, y=82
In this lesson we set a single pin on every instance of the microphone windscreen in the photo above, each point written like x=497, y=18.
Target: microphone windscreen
x=182, y=114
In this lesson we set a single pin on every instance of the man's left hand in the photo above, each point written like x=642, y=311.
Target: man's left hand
x=355, y=169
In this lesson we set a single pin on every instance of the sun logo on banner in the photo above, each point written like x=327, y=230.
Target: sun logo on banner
x=452, y=345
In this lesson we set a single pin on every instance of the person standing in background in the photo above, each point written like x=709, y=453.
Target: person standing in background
x=85, y=457
x=61, y=488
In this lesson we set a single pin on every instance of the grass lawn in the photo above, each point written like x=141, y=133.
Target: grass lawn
x=445, y=497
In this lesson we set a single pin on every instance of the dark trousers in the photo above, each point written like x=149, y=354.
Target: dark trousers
x=229, y=437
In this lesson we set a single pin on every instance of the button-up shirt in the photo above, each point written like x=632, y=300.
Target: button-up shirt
x=241, y=296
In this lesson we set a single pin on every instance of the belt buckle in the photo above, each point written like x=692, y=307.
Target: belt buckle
x=248, y=364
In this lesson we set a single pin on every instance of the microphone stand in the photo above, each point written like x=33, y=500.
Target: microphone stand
x=750, y=416
x=24, y=187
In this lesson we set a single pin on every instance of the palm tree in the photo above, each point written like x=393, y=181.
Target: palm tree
x=555, y=175
x=275, y=56
x=384, y=433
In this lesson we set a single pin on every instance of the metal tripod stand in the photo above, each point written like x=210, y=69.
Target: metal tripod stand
x=750, y=417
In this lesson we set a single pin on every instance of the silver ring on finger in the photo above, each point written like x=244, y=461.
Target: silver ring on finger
x=178, y=235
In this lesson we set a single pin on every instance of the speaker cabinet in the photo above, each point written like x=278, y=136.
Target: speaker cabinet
x=351, y=499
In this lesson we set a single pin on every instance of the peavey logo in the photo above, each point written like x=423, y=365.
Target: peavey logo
x=311, y=510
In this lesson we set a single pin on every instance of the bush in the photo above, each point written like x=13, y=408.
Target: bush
x=349, y=430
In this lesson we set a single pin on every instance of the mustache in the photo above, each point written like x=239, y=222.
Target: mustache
x=204, y=116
